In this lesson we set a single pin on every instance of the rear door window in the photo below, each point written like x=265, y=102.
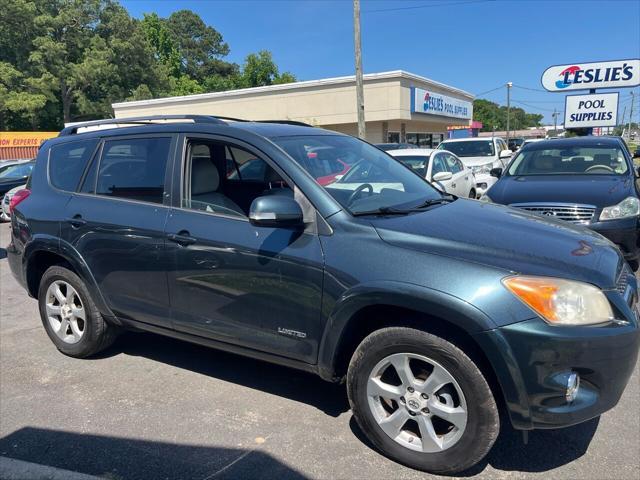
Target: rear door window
x=67, y=162
x=134, y=169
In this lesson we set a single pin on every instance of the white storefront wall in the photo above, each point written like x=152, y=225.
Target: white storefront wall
x=328, y=103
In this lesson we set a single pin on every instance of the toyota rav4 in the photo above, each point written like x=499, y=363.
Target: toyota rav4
x=437, y=311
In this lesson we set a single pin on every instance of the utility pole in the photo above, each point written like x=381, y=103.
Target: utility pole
x=509, y=85
x=624, y=114
x=630, y=117
x=359, y=79
x=555, y=122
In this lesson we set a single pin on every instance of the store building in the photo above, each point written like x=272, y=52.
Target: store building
x=22, y=145
x=399, y=106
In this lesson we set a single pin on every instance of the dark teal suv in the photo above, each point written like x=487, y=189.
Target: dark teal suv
x=436, y=311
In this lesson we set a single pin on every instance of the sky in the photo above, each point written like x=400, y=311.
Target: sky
x=475, y=45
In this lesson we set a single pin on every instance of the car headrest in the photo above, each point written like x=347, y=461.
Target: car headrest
x=271, y=176
x=204, y=176
x=545, y=163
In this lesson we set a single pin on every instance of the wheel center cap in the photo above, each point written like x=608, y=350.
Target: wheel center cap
x=414, y=402
x=66, y=311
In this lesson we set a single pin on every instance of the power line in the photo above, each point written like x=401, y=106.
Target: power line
x=557, y=102
x=534, y=106
x=489, y=91
x=532, y=89
x=414, y=7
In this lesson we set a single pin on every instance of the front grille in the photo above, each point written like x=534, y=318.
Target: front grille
x=568, y=212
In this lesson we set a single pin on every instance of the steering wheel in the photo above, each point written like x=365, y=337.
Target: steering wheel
x=604, y=167
x=356, y=193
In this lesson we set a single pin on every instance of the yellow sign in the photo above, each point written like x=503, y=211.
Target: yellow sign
x=24, y=139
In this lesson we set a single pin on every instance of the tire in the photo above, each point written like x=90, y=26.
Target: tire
x=463, y=445
x=634, y=265
x=91, y=334
x=472, y=194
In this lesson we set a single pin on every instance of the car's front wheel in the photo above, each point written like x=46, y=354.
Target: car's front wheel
x=421, y=400
x=69, y=315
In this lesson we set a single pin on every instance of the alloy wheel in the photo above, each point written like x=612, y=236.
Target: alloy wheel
x=65, y=312
x=417, y=402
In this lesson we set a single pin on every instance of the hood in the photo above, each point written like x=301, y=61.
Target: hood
x=598, y=190
x=506, y=238
x=475, y=161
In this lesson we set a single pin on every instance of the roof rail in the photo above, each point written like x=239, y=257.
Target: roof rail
x=146, y=120
x=286, y=122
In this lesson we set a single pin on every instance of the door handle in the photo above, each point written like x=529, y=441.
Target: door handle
x=76, y=221
x=182, y=238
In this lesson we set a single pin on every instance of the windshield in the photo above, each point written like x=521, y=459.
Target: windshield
x=16, y=171
x=591, y=160
x=473, y=148
x=417, y=163
x=360, y=177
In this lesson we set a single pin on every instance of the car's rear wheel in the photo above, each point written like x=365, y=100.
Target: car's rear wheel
x=422, y=401
x=69, y=315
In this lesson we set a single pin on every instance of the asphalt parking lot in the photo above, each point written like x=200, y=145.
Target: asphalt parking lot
x=152, y=407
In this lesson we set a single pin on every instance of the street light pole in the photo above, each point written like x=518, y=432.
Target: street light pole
x=555, y=122
x=509, y=85
x=630, y=117
x=359, y=79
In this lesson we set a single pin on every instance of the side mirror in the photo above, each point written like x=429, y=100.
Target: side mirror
x=275, y=211
x=496, y=172
x=442, y=176
x=506, y=154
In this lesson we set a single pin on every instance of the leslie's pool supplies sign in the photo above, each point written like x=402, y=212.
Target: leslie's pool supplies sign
x=595, y=110
x=587, y=76
x=425, y=101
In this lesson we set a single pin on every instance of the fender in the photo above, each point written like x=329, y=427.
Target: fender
x=70, y=254
x=400, y=294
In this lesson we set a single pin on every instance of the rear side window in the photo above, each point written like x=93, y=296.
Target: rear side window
x=67, y=161
x=134, y=169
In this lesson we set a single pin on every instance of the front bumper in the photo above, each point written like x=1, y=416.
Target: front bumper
x=532, y=361
x=624, y=233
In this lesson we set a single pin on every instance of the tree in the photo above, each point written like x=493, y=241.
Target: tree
x=494, y=116
x=201, y=47
x=71, y=59
x=259, y=70
x=161, y=39
x=15, y=97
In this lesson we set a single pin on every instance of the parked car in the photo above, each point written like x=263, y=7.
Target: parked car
x=14, y=175
x=589, y=181
x=515, y=143
x=480, y=155
x=395, y=146
x=5, y=210
x=433, y=326
x=441, y=167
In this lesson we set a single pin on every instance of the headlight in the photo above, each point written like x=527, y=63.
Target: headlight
x=561, y=302
x=482, y=169
x=629, y=207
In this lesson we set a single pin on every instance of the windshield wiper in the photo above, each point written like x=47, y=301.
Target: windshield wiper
x=446, y=198
x=383, y=211
x=404, y=211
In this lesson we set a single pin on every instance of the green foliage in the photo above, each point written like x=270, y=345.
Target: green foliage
x=494, y=116
x=64, y=60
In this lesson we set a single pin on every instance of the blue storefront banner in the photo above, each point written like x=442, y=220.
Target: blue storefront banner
x=428, y=102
